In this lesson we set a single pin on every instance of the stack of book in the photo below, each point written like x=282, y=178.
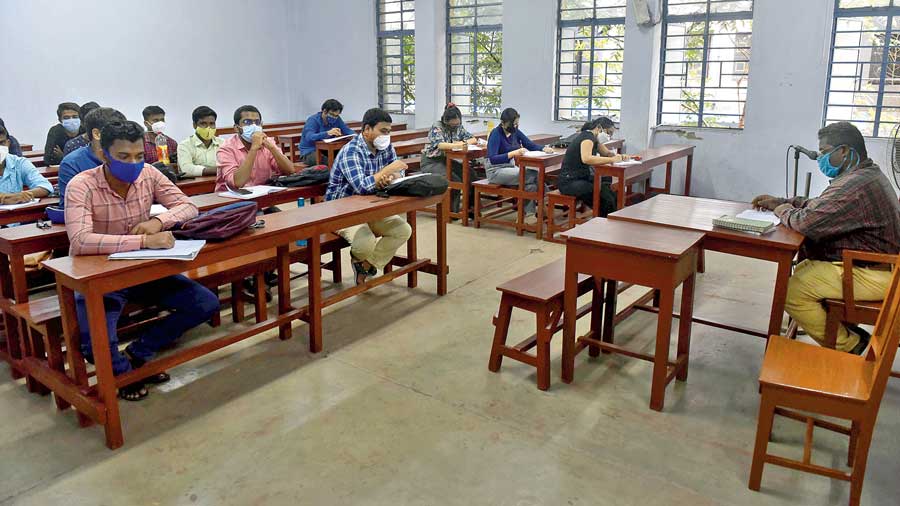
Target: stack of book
x=754, y=222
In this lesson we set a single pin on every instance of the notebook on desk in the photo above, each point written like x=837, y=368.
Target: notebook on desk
x=254, y=192
x=12, y=207
x=537, y=154
x=335, y=139
x=752, y=226
x=184, y=250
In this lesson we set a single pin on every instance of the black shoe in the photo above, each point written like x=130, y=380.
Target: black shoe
x=137, y=363
x=864, y=338
x=250, y=290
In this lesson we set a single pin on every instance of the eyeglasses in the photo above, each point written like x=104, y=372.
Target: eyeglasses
x=248, y=122
x=43, y=224
x=259, y=224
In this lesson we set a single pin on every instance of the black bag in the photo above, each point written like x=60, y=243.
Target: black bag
x=420, y=185
x=307, y=177
x=167, y=171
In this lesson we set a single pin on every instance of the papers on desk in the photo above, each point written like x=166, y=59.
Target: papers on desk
x=627, y=163
x=406, y=178
x=255, y=192
x=183, y=250
x=471, y=148
x=335, y=139
x=752, y=214
x=157, y=209
x=537, y=154
x=10, y=207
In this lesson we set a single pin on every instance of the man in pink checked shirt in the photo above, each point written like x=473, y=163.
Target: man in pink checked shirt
x=108, y=211
x=249, y=158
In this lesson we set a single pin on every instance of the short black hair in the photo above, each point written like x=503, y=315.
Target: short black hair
x=202, y=112
x=100, y=117
x=245, y=108
x=124, y=130
x=375, y=116
x=2, y=123
x=3, y=131
x=332, y=105
x=86, y=108
x=451, y=112
x=844, y=133
x=150, y=110
x=66, y=106
x=509, y=115
x=606, y=123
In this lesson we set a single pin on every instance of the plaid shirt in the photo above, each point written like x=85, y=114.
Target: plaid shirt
x=355, y=167
x=438, y=134
x=99, y=221
x=859, y=210
x=150, y=155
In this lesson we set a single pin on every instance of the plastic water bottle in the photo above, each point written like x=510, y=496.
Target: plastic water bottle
x=300, y=203
x=162, y=149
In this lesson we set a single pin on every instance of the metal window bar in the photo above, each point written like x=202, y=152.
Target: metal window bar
x=472, y=30
x=382, y=35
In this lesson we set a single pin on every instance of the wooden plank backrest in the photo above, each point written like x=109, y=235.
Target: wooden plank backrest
x=885, y=338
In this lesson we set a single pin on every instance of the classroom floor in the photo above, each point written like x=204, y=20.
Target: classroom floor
x=401, y=409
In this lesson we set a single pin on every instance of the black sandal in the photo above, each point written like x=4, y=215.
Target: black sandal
x=134, y=392
x=137, y=363
x=361, y=273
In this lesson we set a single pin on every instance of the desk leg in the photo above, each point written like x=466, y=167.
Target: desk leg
x=106, y=380
x=668, y=187
x=539, y=232
x=464, y=201
x=318, y=157
x=570, y=302
x=661, y=356
x=412, y=279
x=687, y=176
x=71, y=334
x=314, y=278
x=330, y=158
x=10, y=325
x=283, y=257
x=20, y=294
x=684, y=325
x=442, y=208
x=595, y=212
x=780, y=293
x=620, y=194
x=520, y=202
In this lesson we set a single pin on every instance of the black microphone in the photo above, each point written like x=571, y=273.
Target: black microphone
x=800, y=149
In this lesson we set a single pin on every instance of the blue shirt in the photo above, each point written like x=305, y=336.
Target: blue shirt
x=354, y=169
x=73, y=164
x=20, y=172
x=316, y=130
x=499, y=145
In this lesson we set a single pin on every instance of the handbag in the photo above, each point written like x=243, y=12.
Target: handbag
x=307, y=177
x=218, y=224
x=419, y=185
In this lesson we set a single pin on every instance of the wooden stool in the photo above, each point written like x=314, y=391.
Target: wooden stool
x=797, y=376
x=646, y=255
x=569, y=203
x=541, y=292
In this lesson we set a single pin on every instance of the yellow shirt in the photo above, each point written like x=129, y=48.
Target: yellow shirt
x=194, y=156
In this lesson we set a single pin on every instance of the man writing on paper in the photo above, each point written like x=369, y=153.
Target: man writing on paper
x=366, y=164
x=16, y=173
x=858, y=211
x=249, y=158
x=108, y=211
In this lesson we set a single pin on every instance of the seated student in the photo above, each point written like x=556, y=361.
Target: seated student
x=69, y=126
x=107, y=211
x=505, y=143
x=577, y=177
x=448, y=133
x=197, y=153
x=16, y=173
x=320, y=126
x=82, y=139
x=90, y=156
x=858, y=211
x=249, y=158
x=155, y=122
x=14, y=147
x=365, y=164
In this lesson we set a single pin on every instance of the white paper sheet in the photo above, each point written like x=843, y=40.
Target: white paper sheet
x=183, y=250
x=752, y=214
x=537, y=154
x=10, y=207
x=335, y=139
x=157, y=209
x=255, y=191
x=627, y=163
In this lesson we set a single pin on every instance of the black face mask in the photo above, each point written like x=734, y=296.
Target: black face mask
x=511, y=129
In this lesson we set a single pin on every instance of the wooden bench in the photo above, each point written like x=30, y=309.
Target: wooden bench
x=541, y=292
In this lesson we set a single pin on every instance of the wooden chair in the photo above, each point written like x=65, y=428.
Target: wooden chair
x=810, y=378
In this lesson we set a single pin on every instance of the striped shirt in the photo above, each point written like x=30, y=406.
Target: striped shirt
x=99, y=221
x=355, y=167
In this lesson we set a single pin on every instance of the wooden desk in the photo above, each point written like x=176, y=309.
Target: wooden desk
x=657, y=257
x=49, y=171
x=197, y=185
x=26, y=147
x=410, y=147
x=29, y=213
x=692, y=213
x=93, y=276
x=650, y=158
x=330, y=149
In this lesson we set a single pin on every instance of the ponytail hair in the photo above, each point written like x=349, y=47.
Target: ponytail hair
x=451, y=112
x=591, y=124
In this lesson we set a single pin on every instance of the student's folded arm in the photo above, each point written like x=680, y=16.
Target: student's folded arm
x=186, y=162
x=180, y=208
x=80, y=227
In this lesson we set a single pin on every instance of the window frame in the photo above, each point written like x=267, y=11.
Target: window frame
x=592, y=22
x=380, y=36
x=708, y=17
x=474, y=30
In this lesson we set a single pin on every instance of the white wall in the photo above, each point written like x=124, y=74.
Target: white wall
x=221, y=53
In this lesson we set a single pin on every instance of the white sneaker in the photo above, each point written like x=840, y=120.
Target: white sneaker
x=531, y=219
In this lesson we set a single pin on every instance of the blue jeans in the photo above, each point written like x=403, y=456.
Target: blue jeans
x=188, y=302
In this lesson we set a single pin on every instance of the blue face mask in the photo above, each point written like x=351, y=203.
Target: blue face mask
x=248, y=130
x=827, y=168
x=72, y=124
x=123, y=171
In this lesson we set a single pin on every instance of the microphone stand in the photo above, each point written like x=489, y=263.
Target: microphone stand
x=796, y=169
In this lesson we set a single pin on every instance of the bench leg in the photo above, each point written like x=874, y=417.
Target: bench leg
x=543, y=349
x=763, y=431
x=609, y=312
x=259, y=303
x=77, y=369
x=412, y=279
x=36, y=345
x=684, y=326
x=216, y=319
x=596, y=316
x=501, y=329
x=336, y=274
x=477, y=208
x=237, y=302
x=55, y=359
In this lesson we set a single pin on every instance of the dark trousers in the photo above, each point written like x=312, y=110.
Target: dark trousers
x=439, y=166
x=189, y=304
x=583, y=190
x=309, y=159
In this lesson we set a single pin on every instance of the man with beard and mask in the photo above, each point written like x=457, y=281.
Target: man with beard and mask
x=366, y=164
x=155, y=123
x=108, y=211
x=321, y=126
x=858, y=211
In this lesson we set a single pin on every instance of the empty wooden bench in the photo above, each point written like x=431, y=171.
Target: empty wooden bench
x=540, y=292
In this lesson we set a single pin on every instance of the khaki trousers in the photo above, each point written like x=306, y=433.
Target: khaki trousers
x=377, y=241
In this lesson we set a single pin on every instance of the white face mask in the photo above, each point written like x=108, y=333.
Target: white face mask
x=382, y=142
x=158, y=127
x=602, y=137
x=4, y=150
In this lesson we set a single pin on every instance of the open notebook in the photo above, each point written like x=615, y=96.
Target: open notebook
x=255, y=191
x=335, y=139
x=537, y=154
x=183, y=250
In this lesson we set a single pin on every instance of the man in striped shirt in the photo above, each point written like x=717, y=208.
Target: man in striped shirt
x=108, y=211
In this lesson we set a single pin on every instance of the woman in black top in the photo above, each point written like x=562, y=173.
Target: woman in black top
x=577, y=177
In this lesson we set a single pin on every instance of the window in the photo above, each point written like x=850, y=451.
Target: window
x=864, y=75
x=705, y=63
x=396, y=55
x=589, y=64
x=475, y=55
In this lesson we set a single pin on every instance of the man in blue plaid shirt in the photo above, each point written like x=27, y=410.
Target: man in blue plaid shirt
x=368, y=163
